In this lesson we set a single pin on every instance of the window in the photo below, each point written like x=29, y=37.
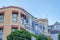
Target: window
x=33, y=25
x=22, y=20
x=36, y=26
x=14, y=16
x=43, y=27
x=1, y=18
x=1, y=32
x=30, y=20
x=27, y=20
x=40, y=26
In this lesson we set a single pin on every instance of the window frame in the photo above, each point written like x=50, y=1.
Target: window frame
x=16, y=16
x=22, y=18
x=1, y=18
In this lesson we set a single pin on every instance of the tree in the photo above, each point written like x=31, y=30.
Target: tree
x=59, y=36
x=49, y=38
x=42, y=37
x=19, y=35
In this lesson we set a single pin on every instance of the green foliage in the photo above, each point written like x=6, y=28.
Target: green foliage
x=19, y=35
x=36, y=36
x=24, y=35
x=39, y=37
x=59, y=36
x=49, y=38
x=42, y=37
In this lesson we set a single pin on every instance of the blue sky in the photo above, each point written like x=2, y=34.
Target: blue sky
x=49, y=9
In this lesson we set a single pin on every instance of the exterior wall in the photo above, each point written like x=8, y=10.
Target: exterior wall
x=54, y=28
x=8, y=20
x=54, y=36
x=45, y=23
x=8, y=24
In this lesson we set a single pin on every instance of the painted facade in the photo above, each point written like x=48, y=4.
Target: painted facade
x=54, y=30
x=45, y=24
x=12, y=18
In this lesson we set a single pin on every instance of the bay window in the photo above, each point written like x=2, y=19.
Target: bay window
x=23, y=19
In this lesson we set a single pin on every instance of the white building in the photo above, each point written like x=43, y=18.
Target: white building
x=54, y=30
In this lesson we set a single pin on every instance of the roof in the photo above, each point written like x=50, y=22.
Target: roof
x=10, y=7
x=57, y=23
x=44, y=20
x=54, y=31
x=16, y=7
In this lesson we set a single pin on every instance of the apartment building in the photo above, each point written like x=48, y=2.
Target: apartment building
x=12, y=18
x=55, y=28
x=45, y=24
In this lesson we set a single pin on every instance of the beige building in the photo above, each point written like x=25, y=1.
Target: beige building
x=10, y=20
x=45, y=23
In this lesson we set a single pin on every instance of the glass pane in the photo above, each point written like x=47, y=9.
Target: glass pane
x=1, y=16
x=14, y=19
x=1, y=20
x=30, y=21
x=33, y=25
x=1, y=32
x=14, y=15
x=36, y=27
x=27, y=20
x=22, y=20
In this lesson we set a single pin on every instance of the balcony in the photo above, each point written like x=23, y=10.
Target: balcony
x=29, y=28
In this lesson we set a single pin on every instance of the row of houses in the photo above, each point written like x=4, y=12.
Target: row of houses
x=12, y=18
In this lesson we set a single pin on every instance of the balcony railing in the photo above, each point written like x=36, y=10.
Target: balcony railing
x=32, y=30
x=29, y=28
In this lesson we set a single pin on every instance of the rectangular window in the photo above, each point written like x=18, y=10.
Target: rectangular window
x=1, y=18
x=30, y=20
x=1, y=32
x=22, y=19
x=36, y=27
x=14, y=16
x=27, y=20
